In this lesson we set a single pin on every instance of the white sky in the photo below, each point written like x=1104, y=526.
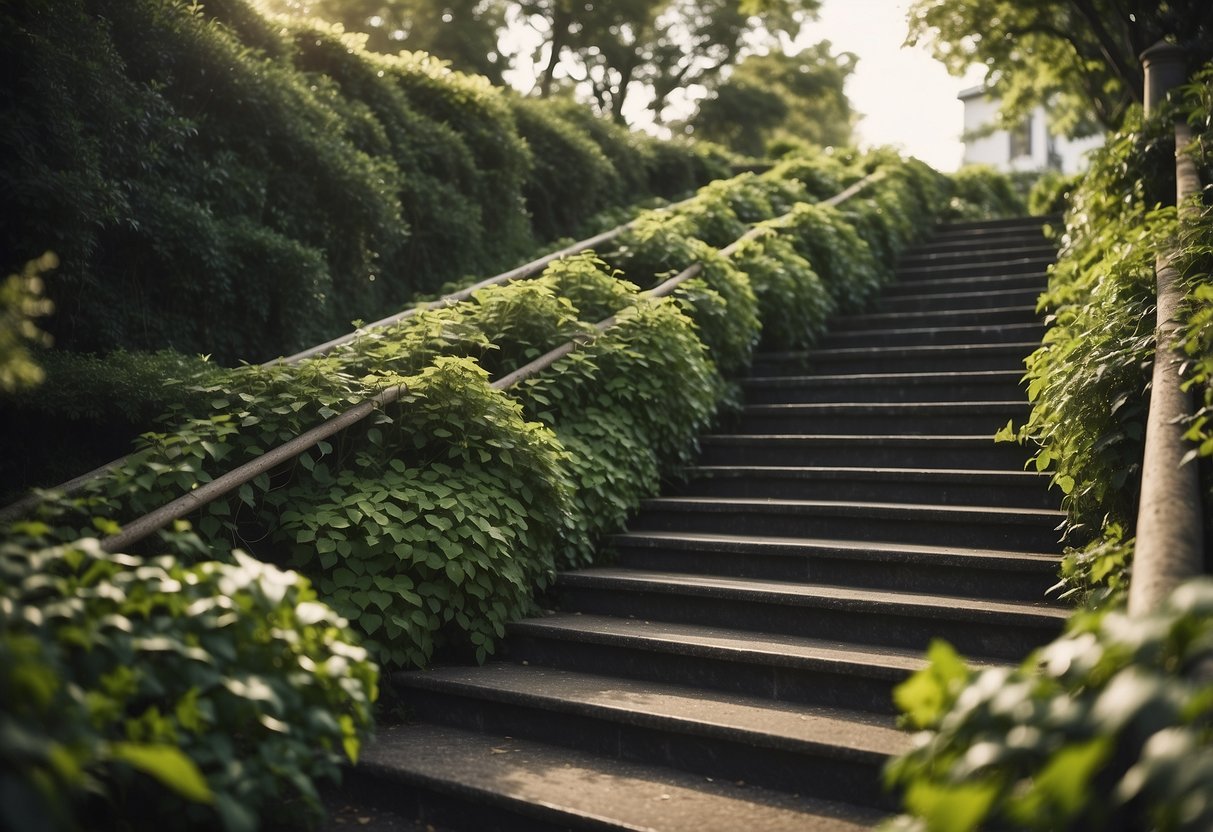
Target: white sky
x=906, y=97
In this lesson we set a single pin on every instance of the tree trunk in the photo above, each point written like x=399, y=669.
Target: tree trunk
x=562, y=18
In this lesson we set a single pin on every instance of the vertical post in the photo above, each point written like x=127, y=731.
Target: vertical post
x=1170, y=540
x=1165, y=67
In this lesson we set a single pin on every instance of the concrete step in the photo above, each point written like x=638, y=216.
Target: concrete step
x=926, y=336
x=1005, y=529
x=1038, y=266
x=968, y=242
x=815, y=752
x=773, y=666
x=982, y=385
x=950, y=570
x=993, y=252
x=904, y=418
x=951, y=487
x=903, y=318
x=859, y=450
x=451, y=778
x=959, y=285
x=991, y=629
x=930, y=358
x=995, y=226
x=902, y=567
x=1001, y=298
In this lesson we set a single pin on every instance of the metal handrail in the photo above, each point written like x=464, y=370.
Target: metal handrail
x=1170, y=535
x=155, y=520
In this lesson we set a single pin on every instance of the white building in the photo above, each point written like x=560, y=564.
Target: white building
x=1030, y=147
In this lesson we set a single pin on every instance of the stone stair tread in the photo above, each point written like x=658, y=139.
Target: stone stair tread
x=758, y=721
x=695, y=639
x=853, y=508
x=910, y=314
x=853, y=548
x=841, y=597
x=561, y=786
x=885, y=378
x=874, y=438
x=880, y=407
x=1033, y=327
x=838, y=471
x=928, y=349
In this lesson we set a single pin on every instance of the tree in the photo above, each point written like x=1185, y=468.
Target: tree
x=777, y=95
x=1080, y=56
x=611, y=47
x=464, y=32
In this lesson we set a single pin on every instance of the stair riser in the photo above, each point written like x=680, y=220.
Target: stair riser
x=985, y=456
x=960, y=299
x=985, y=533
x=813, y=775
x=956, y=423
x=887, y=628
x=811, y=392
x=895, y=361
x=843, y=686
x=937, y=318
x=946, y=336
x=946, y=285
x=1011, y=494
x=1033, y=265
x=991, y=584
x=978, y=256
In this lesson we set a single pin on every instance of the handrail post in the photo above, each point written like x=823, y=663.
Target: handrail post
x=1170, y=537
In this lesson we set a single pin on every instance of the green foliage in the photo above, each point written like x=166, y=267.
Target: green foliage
x=1078, y=58
x=140, y=689
x=218, y=183
x=444, y=533
x=571, y=179
x=86, y=412
x=981, y=192
x=1088, y=380
x=627, y=409
x=776, y=95
x=848, y=269
x=1050, y=194
x=793, y=305
x=21, y=303
x=1105, y=728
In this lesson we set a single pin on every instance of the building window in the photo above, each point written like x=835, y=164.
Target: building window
x=1021, y=139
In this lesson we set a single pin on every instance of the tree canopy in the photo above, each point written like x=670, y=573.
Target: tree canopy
x=1081, y=56
x=606, y=50
x=778, y=95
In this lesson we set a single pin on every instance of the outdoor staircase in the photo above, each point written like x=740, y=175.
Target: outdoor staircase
x=732, y=669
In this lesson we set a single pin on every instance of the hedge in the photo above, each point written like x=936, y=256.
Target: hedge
x=216, y=182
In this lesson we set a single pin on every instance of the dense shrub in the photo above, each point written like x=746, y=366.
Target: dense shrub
x=215, y=182
x=1050, y=194
x=1106, y=728
x=86, y=411
x=626, y=409
x=136, y=690
x=1088, y=381
x=980, y=192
